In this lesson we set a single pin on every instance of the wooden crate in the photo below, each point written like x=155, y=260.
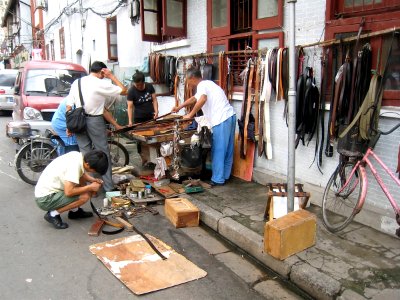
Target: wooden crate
x=290, y=234
x=181, y=212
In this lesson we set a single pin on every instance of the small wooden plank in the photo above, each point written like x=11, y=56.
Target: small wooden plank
x=95, y=229
x=128, y=226
x=177, y=187
x=243, y=168
x=165, y=190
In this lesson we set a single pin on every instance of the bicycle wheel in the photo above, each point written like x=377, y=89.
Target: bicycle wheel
x=32, y=159
x=339, y=202
x=119, y=154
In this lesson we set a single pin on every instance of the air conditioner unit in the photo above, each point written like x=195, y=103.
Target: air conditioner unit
x=41, y=4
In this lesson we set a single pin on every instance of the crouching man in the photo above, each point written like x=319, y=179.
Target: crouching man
x=65, y=185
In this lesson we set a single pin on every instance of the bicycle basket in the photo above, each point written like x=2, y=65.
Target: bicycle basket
x=351, y=144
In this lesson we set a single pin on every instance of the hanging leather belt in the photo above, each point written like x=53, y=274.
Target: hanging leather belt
x=285, y=74
x=277, y=74
x=248, y=109
x=266, y=97
x=257, y=98
x=261, y=144
x=176, y=89
x=152, y=58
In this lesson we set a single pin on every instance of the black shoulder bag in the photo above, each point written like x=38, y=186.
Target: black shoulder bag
x=76, y=118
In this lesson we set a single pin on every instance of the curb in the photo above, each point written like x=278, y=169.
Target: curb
x=301, y=274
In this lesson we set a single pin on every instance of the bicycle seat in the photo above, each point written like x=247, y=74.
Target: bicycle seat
x=50, y=134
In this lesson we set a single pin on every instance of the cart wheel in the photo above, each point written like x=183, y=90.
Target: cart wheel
x=119, y=154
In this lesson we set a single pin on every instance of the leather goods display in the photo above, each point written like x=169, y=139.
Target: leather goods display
x=265, y=99
x=76, y=118
x=307, y=107
x=207, y=71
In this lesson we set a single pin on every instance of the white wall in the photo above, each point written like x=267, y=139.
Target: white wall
x=309, y=27
x=26, y=27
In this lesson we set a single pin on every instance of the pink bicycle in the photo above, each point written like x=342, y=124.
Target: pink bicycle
x=347, y=188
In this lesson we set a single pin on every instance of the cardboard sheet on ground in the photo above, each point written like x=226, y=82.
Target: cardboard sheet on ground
x=133, y=262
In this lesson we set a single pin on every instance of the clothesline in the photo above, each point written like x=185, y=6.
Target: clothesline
x=349, y=39
x=321, y=44
x=197, y=55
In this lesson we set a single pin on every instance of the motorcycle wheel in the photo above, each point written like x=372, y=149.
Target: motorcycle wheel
x=32, y=159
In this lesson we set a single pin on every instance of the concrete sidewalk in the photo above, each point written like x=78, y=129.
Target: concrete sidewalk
x=358, y=263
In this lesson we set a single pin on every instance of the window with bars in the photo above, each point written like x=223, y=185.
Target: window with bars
x=52, y=50
x=48, y=51
x=112, y=39
x=344, y=17
x=239, y=60
x=234, y=26
x=62, y=42
x=241, y=16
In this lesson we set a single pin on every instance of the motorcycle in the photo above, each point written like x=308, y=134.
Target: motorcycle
x=38, y=149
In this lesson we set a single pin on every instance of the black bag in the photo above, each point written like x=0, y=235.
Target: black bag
x=76, y=118
x=251, y=126
x=205, y=138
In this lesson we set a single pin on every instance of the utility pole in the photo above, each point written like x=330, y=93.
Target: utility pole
x=291, y=174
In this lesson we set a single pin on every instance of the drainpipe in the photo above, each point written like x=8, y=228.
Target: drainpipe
x=291, y=176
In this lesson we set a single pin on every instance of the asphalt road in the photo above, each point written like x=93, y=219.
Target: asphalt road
x=40, y=262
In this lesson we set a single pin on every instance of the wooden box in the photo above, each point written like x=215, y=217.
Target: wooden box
x=290, y=234
x=181, y=212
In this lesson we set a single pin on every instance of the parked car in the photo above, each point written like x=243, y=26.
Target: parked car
x=39, y=88
x=7, y=81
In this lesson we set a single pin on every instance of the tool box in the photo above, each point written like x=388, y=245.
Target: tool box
x=290, y=234
x=181, y=212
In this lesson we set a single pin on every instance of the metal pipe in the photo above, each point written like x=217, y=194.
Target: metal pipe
x=291, y=174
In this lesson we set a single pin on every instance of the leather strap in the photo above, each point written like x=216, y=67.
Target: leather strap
x=261, y=144
x=277, y=74
x=176, y=90
x=116, y=225
x=248, y=109
x=266, y=97
x=329, y=140
x=149, y=242
x=300, y=62
x=324, y=70
x=280, y=78
x=285, y=73
x=80, y=93
x=338, y=86
x=257, y=97
x=245, y=79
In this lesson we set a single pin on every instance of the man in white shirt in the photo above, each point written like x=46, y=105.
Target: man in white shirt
x=211, y=99
x=65, y=185
x=95, y=91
